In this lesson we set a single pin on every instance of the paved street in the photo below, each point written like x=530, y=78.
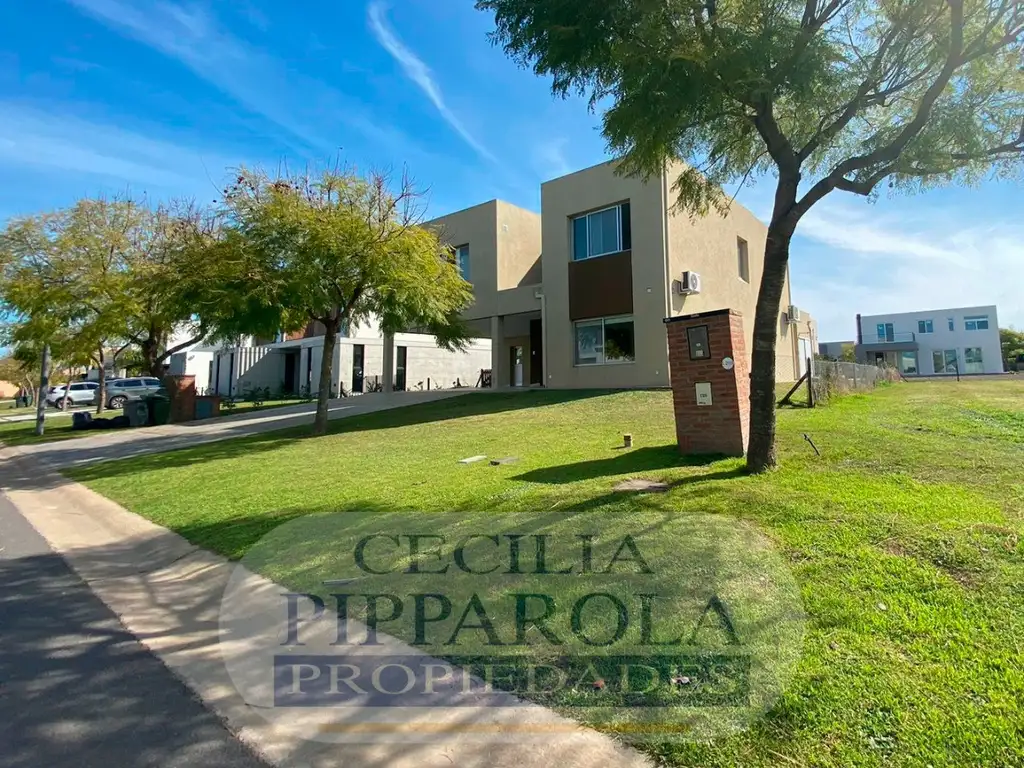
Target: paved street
x=76, y=688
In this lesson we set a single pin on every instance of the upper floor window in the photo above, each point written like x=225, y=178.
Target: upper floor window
x=744, y=259
x=885, y=332
x=976, y=323
x=601, y=232
x=462, y=260
x=952, y=323
x=925, y=326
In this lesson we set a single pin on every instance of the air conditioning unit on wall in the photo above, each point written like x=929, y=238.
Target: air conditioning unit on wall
x=792, y=314
x=689, y=284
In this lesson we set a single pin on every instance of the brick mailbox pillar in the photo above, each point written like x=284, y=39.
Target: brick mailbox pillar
x=710, y=382
x=182, y=392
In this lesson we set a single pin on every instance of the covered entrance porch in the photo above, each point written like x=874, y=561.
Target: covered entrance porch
x=517, y=348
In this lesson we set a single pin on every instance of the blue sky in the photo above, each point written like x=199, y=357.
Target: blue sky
x=98, y=96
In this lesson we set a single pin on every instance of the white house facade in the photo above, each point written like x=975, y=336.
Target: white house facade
x=291, y=365
x=937, y=342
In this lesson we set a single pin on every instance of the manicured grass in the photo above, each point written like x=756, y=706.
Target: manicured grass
x=58, y=427
x=904, y=537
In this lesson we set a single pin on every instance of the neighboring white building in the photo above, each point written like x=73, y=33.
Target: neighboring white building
x=964, y=340
x=292, y=365
x=195, y=361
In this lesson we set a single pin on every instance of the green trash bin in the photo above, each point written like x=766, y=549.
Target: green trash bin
x=159, y=410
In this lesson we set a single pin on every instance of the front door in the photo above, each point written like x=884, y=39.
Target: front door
x=400, y=368
x=515, y=355
x=357, y=367
x=536, y=353
x=290, y=366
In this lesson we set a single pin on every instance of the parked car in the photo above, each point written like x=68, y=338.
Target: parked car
x=81, y=393
x=121, y=391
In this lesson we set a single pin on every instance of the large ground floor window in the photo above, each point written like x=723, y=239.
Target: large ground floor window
x=908, y=362
x=606, y=340
x=944, y=360
x=972, y=360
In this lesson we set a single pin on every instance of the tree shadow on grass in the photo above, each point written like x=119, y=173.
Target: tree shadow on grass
x=649, y=459
x=90, y=460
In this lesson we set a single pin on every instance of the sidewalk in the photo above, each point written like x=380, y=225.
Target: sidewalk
x=168, y=593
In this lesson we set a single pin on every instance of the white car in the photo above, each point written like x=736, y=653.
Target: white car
x=81, y=393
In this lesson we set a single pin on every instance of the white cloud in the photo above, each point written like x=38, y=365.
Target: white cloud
x=417, y=71
x=50, y=144
x=550, y=159
x=306, y=109
x=851, y=259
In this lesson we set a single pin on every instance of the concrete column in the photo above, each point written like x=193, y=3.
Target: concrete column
x=389, y=363
x=499, y=354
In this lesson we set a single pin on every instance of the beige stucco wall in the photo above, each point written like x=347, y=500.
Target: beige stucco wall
x=476, y=227
x=504, y=247
x=587, y=190
x=709, y=246
x=518, y=236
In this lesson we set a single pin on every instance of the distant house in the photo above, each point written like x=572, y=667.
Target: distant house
x=935, y=342
x=835, y=350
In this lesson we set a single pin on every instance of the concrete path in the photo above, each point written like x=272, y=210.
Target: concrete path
x=77, y=690
x=125, y=443
x=168, y=593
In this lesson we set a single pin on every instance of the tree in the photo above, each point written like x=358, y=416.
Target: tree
x=17, y=370
x=824, y=94
x=169, y=275
x=332, y=248
x=65, y=280
x=1012, y=343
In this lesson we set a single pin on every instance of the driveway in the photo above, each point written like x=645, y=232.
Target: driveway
x=121, y=444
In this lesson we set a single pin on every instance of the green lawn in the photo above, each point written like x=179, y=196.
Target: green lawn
x=903, y=537
x=59, y=428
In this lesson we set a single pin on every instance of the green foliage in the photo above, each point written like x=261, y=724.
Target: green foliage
x=335, y=248
x=1012, y=343
x=845, y=92
x=825, y=94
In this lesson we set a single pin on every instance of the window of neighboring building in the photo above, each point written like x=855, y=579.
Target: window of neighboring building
x=972, y=360
x=952, y=323
x=944, y=361
x=885, y=332
x=908, y=362
x=976, y=323
x=462, y=261
x=608, y=340
x=601, y=232
x=744, y=259
x=925, y=326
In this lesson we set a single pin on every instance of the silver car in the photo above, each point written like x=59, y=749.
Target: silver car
x=121, y=391
x=80, y=393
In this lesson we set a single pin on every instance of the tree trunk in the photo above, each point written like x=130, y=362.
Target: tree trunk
x=102, y=391
x=67, y=391
x=326, y=376
x=150, y=348
x=761, y=446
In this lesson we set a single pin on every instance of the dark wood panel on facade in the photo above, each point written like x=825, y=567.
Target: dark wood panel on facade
x=601, y=287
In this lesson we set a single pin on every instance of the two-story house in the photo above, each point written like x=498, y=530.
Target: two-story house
x=963, y=340
x=576, y=297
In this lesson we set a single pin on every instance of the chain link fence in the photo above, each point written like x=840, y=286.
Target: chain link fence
x=835, y=378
